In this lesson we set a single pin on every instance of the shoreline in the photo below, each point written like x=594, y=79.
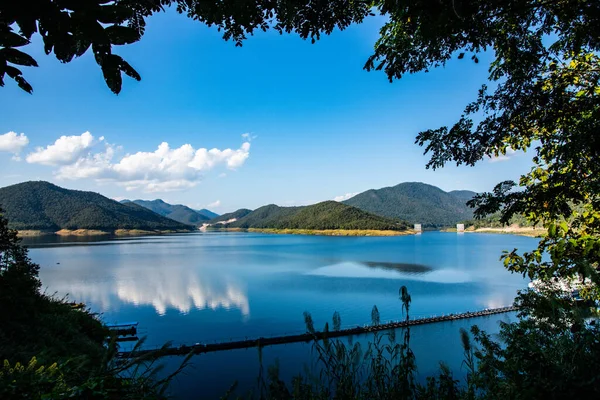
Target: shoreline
x=508, y=230
x=319, y=232
x=96, y=232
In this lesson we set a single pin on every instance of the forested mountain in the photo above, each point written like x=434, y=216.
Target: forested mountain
x=177, y=212
x=207, y=213
x=44, y=206
x=325, y=215
x=463, y=195
x=416, y=202
x=242, y=212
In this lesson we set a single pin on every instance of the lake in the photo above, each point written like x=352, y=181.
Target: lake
x=206, y=287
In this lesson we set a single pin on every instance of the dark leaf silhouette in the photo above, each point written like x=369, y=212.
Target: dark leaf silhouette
x=17, y=57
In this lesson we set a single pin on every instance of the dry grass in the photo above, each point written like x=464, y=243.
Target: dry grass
x=333, y=232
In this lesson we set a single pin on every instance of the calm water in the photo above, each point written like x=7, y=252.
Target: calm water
x=220, y=286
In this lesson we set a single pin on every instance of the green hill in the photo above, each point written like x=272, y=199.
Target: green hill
x=416, y=202
x=44, y=206
x=242, y=212
x=322, y=216
x=463, y=195
x=177, y=212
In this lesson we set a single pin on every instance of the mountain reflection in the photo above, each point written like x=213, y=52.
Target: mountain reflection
x=389, y=270
x=400, y=267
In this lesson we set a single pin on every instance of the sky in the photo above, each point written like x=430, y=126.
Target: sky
x=211, y=125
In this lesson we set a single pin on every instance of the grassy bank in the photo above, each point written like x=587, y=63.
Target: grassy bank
x=333, y=232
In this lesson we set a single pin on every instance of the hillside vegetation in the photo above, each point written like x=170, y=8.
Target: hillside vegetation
x=322, y=216
x=176, y=212
x=242, y=212
x=47, y=207
x=416, y=202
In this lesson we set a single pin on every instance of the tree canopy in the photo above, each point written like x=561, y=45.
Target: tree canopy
x=69, y=28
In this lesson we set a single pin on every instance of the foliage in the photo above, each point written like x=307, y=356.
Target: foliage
x=70, y=28
x=495, y=221
x=545, y=73
x=545, y=96
x=177, y=212
x=416, y=203
x=18, y=380
x=321, y=216
x=44, y=206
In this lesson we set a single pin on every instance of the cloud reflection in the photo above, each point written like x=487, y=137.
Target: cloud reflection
x=166, y=289
x=162, y=288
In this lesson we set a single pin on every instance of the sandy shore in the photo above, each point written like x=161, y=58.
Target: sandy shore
x=513, y=230
x=95, y=232
x=509, y=230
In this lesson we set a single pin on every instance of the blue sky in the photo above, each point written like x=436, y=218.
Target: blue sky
x=317, y=126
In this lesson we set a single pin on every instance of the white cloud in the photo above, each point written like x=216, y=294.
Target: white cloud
x=248, y=136
x=12, y=143
x=162, y=170
x=344, y=196
x=65, y=150
x=214, y=204
x=510, y=153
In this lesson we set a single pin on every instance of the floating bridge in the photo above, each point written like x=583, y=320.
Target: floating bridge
x=200, y=348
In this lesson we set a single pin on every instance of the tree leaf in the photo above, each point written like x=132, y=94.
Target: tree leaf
x=11, y=39
x=130, y=71
x=114, y=14
x=112, y=73
x=120, y=35
x=23, y=84
x=13, y=72
x=18, y=57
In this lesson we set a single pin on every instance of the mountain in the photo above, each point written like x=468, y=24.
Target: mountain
x=207, y=213
x=416, y=202
x=177, y=212
x=242, y=212
x=463, y=195
x=44, y=206
x=325, y=215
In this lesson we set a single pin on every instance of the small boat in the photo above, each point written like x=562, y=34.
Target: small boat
x=123, y=329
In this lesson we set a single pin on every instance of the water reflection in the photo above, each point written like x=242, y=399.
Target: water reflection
x=388, y=270
x=162, y=288
x=400, y=267
x=165, y=289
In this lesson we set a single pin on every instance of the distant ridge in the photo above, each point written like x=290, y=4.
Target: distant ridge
x=416, y=202
x=328, y=215
x=43, y=206
x=176, y=212
x=207, y=213
x=242, y=212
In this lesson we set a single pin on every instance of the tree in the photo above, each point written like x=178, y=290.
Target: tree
x=545, y=73
x=70, y=28
x=19, y=282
